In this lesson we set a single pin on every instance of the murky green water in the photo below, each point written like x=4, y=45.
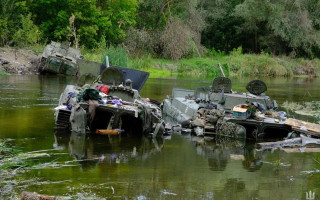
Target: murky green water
x=181, y=167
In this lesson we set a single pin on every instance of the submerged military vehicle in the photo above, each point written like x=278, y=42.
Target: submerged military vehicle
x=253, y=110
x=58, y=58
x=109, y=105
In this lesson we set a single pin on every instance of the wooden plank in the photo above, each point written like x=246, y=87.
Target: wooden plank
x=299, y=123
x=306, y=132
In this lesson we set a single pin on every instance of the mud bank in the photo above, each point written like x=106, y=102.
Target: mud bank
x=18, y=61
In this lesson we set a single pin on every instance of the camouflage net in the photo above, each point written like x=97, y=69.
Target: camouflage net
x=229, y=129
x=215, y=118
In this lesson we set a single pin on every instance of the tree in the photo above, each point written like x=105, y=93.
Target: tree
x=173, y=26
x=122, y=15
x=93, y=19
x=221, y=26
x=10, y=13
x=4, y=33
x=287, y=22
x=28, y=34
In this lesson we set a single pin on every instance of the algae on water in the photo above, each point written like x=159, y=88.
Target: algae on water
x=305, y=108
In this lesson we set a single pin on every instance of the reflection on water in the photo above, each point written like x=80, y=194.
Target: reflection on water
x=91, y=150
x=183, y=167
x=220, y=150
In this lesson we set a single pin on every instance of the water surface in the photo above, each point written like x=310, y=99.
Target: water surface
x=180, y=167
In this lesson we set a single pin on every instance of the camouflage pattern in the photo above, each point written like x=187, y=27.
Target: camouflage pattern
x=215, y=118
x=60, y=59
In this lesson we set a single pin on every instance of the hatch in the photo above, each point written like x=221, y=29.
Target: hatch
x=221, y=84
x=111, y=76
x=256, y=87
x=137, y=77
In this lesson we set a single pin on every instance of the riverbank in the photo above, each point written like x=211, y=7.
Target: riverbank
x=241, y=65
x=19, y=61
x=25, y=61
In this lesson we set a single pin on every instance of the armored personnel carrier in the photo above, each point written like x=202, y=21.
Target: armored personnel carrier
x=253, y=110
x=109, y=105
x=58, y=58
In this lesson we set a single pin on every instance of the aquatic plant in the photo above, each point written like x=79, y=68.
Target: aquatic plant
x=304, y=108
x=3, y=73
x=6, y=151
x=13, y=158
x=277, y=163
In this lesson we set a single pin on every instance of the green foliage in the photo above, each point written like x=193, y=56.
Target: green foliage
x=139, y=42
x=287, y=27
x=262, y=65
x=2, y=73
x=198, y=67
x=236, y=65
x=212, y=53
x=175, y=28
x=10, y=18
x=222, y=27
x=277, y=164
x=168, y=29
x=4, y=32
x=28, y=34
x=143, y=63
x=151, y=15
x=12, y=158
x=122, y=16
x=117, y=56
x=236, y=51
x=91, y=20
x=15, y=165
x=6, y=150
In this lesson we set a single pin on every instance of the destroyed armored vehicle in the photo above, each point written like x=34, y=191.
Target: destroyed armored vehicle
x=212, y=108
x=58, y=58
x=109, y=105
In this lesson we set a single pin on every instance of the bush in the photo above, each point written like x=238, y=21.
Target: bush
x=138, y=42
x=28, y=34
x=178, y=40
x=212, y=53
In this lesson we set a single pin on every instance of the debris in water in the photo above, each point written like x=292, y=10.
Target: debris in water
x=36, y=196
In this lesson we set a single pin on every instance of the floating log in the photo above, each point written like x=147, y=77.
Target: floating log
x=285, y=143
x=301, y=149
x=295, y=142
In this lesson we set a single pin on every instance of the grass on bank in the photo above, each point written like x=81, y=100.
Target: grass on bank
x=234, y=64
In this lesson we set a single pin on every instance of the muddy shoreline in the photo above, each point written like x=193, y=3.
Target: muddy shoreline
x=19, y=61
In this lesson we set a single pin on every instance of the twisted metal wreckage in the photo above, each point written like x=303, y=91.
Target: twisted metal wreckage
x=112, y=104
x=109, y=105
x=217, y=110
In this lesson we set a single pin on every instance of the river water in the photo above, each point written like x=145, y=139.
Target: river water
x=179, y=167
